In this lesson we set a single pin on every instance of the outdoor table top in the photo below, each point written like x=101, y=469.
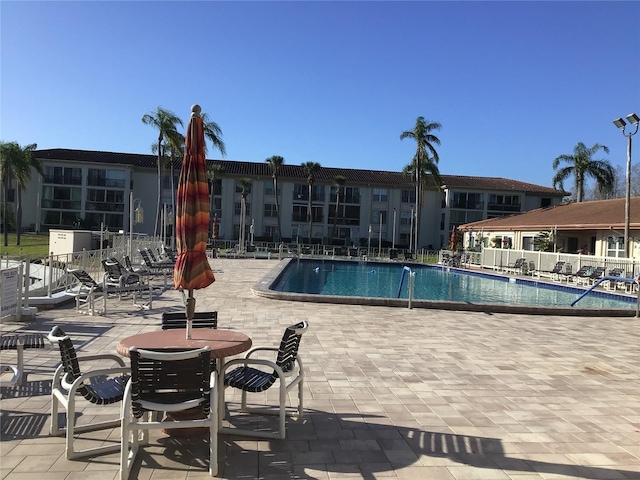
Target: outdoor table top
x=223, y=343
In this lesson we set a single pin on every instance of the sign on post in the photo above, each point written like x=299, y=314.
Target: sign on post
x=9, y=286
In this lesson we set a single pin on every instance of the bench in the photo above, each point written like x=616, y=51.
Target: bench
x=18, y=342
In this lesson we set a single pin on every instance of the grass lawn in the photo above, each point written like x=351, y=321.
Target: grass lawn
x=30, y=244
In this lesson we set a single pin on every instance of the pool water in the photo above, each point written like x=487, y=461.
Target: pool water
x=383, y=280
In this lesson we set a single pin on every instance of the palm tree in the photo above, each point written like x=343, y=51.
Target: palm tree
x=213, y=132
x=338, y=182
x=310, y=169
x=171, y=150
x=214, y=170
x=581, y=165
x=16, y=163
x=425, y=160
x=166, y=123
x=245, y=187
x=275, y=163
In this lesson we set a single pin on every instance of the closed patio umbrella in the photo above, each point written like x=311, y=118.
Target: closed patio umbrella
x=192, y=270
x=216, y=227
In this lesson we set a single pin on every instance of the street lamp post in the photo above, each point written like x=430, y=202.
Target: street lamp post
x=393, y=243
x=136, y=215
x=621, y=124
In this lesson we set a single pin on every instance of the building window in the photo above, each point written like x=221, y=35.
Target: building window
x=63, y=198
x=504, y=203
x=238, y=208
x=545, y=202
x=268, y=189
x=351, y=195
x=270, y=210
x=62, y=175
x=105, y=200
x=405, y=218
x=408, y=196
x=300, y=192
x=615, y=247
x=379, y=194
x=299, y=213
x=270, y=231
x=375, y=217
x=106, y=178
x=467, y=201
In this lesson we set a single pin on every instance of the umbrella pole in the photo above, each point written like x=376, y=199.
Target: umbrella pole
x=190, y=306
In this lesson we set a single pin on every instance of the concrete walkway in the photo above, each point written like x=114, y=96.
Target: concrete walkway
x=389, y=393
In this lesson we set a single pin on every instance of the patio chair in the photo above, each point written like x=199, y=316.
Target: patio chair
x=596, y=275
x=116, y=275
x=130, y=268
x=613, y=284
x=517, y=266
x=171, y=320
x=568, y=272
x=581, y=277
x=154, y=265
x=555, y=271
x=101, y=386
x=86, y=290
x=408, y=255
x=171, y=382
x=288, y=366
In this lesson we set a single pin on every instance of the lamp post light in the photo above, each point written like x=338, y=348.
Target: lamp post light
x=633, y=119
x=136, y=215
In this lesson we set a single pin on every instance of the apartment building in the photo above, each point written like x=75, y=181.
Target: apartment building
x=84, y=189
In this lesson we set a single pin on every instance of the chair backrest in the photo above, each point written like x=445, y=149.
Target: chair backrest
x=145, y=257
x=558, y=267
x=289, y=345
x=597, y=273
x=113, y=269
x=568, y=268
x=152, y=255
x=169, y=377
x=171, y=320
x=85, y=279
x=72, y=371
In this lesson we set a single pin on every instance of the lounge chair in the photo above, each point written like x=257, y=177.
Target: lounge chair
x=581, y=277
x=613, y=284
x=555, y=271
x=517, y=266
x=87, y=291
x=568, y=272
x=596, y=275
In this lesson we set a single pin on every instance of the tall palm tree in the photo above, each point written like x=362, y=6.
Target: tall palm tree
x=245, y=187
x=166, y=123
x=582, y=165
x=172, y=150
x=214, y=170
x=425, y=160
x=310, y=169
x=275, y=163
x=16, y=163
x=213, y=132
x=338, y=182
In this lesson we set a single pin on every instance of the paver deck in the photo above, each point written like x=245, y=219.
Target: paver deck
x=389, y=393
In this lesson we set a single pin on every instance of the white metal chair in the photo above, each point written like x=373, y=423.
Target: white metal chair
x=167, y=381
x=102, y=386
x=286, y=368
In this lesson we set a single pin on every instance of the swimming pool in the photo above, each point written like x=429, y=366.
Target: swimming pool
x=378, y=283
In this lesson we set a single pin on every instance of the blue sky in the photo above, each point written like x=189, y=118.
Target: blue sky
x=514, y=84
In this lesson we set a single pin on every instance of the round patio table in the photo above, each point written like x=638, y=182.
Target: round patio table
x=223, y=343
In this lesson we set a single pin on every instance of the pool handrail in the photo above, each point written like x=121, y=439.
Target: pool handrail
x=404, y=270
x=613, y=278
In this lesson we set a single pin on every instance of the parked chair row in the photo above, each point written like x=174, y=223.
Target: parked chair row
x=170, y=381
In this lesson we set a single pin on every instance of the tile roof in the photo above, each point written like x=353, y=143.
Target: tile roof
x=233, y=168
x=598, y=214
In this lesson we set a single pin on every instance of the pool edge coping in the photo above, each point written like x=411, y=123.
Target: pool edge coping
x=262, y=289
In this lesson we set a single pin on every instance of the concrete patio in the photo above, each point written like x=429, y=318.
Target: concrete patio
x=389, y=393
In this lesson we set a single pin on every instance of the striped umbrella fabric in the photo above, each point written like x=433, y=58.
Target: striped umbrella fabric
x=192, y=269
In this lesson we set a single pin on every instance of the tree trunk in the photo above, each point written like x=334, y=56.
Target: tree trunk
x=18, y=213
x=211, y=203
x=158, y=209
x=5, y=197
x=335, y=217
x=275, y=192
x=309, y=212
